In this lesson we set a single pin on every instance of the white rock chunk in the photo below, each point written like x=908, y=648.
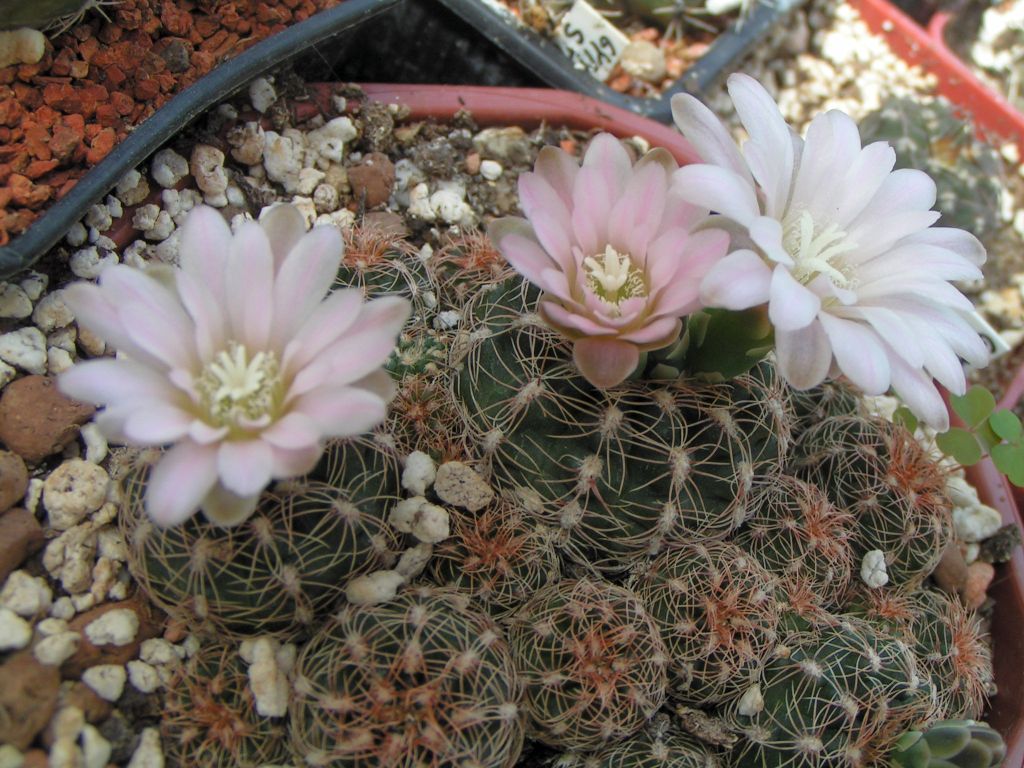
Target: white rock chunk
x=74, y=490
x=116, y=627
x=51, y=312
x=403, y=514
x=168, y=168
x=149, y=753
x=431, y=524
x=26, y=595
x=143, y=676
x=157, y=651
x=414, y=560
x=14, y=302
x=419, y=473
x=95, y=749
x=10, y=757
x=375, y=588
x=491, y=170
x=56, y=649
x=207, y=166
x=24, y=348
x=327, y=143
x=872, y=569
x=459, y=484
x=15, y=632
x=107, y=680
x=262, y=94
x=751, y=702
x=269, y=664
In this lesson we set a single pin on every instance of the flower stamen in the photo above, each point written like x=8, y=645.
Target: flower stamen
x=816, y=250
x=235, y=391
x=613, y=277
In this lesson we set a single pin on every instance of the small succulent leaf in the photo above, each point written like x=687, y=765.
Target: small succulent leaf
x=947, y=741
x=906, y=417
x=1009, y=459
x=1006, y=424
x=974, y=406
x=961, y=445
x=987, y=437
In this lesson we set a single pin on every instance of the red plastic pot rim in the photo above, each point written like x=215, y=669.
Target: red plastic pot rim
x=993, y=115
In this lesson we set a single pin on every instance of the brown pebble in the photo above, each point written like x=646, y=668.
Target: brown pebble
x=979, y=576
x=13, y=480
x=36, y=420
x=951, y=573
x=20, y=536
x=473, y=163
x=459, y=484
x=373, y=177
x=175, y=631
x=387, y=222
x=151, y=623
x=36, y=758
x=28, y=698
x=75, y=693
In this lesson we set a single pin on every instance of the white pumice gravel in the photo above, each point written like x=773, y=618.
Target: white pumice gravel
x=24, y=348
x=107, y=680
x=54, y=650
x=25, y=594
x=15, y=632
x=116, y=627
x=419, y=473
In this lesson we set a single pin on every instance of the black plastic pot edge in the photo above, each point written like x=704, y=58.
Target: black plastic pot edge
x=542, y=56
x=24, y=250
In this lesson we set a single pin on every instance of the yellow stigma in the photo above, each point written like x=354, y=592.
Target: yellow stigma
x=816, y=250
x=235, y=391
x=613, y=277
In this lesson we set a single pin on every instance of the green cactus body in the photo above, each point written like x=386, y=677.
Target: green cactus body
x=283, y=567
x=210, y=718
x=653, y=747
x=496, y=557
x=831, y=696
x=796, y=533
x=827, y=400
x=423, y=680
x=591, y=660
x=951, y=647
x=877, y=471
x=619, y=473
x=933, y=138
x=950, y=744
x=714, y=607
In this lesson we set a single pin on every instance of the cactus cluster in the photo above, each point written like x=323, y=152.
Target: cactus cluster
x=935, y=138
x=667, y=545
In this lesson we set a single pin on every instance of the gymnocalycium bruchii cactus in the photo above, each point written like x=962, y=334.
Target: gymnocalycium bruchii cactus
x=674, y=523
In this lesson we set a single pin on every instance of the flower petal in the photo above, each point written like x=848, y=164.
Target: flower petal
x=244, y=466
x=769, y=151
x=303, y=280
x=205, y=242
x=515, y=238
x=157, y=425
x=918, y=391
x=180, y=481
x=250, y=291
x=739, y=281
x=293, y=431
x=635, y=218
x=108, y=380
x=858, y=352
x=804, y=356
x=284, y=226
x=323, y=327
x=559, y=169
x=708, y=136
x=605, y=362
x=224, y=508
x=791, y=305
x=720, y=190
x=341, y=411
x=548, y=215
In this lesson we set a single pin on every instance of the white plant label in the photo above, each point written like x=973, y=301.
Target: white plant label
x=592, y=42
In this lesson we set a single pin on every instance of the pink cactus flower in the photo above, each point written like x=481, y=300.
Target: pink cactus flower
x=840, y=247
x=612, y=246
x=237, y=360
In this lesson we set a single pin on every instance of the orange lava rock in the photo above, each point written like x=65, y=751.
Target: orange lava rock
x=979, y=576
x=65, y=140
x=101, y=145
x=27, y=194
x=39, y=168
x=37, y=142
